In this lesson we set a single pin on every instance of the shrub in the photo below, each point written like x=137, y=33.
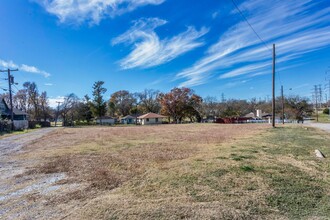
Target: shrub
x=5, y=125
x=326, y=111
x=247, y=168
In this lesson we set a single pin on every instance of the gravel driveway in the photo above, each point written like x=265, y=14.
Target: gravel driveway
x=11, y=145
x=15, y=202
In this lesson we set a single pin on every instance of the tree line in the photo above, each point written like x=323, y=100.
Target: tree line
x=179, y=104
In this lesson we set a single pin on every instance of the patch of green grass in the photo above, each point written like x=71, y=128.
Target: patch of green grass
x=323, y=118
x=297, y=194
x=295, y=141
x=247, y=168
x=242, y=157
x=219, y=172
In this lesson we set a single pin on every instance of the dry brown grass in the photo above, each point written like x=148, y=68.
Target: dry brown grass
x=106, y=157
x=196, y=171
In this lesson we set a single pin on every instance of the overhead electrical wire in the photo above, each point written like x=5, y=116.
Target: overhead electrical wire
x=256, y=33
x=236, y=6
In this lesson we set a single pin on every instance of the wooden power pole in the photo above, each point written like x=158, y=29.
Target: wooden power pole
x=282, y=104
x=316, y=97
x=10, y=82
x=273, y=92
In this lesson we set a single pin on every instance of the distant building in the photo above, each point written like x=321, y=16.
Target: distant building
x=20, y=117
x=128, y=119
x=250, y=115
x=105, y=120
x=151, y=118
x=259, y=115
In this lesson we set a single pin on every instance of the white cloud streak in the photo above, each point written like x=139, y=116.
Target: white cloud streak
x=239, y=52
x=92, y=11
x=23, y=67
x=149, y=50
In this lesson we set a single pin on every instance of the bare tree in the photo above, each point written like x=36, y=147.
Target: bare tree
x=148, y=101
x=33, y=100
x=44, y=106
x=20, y=99
x=67, y=108
x=122, y=102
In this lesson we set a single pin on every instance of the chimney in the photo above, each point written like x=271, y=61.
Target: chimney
x=259, y=113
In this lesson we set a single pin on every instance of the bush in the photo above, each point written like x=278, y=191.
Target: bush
x=83, y=123
x=38, y=124
x=32, y=124
x=44, y=124
x=326, y=111
x=5, y=126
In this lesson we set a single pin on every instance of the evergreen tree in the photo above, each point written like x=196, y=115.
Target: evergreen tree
x=98, y=105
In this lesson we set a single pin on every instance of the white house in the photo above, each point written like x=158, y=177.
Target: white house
x=105, y=120
x=151, y=118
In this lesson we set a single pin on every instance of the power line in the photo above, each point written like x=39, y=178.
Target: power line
x=16, y=87
x=234, y=3
x=278, y=74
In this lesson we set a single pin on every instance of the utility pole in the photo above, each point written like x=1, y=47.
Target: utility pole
x=273, y=100
x=58, y=111
x=327, y=77
x=10, y=82
x=320, y=96
x=282, y=104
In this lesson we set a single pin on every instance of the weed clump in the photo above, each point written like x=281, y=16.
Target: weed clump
x=246, y=168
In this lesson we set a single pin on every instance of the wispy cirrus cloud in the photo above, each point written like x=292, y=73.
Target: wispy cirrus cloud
x=234, y=84
x=92, y=11
x=23, y=67
x=149, y=50
x=239, y=52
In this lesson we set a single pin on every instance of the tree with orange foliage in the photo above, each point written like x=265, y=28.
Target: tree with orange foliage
x=180, y=103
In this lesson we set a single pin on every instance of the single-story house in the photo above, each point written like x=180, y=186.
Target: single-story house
x=105, y=120
x=151, y=118
x=128, y=119
x=20, y=117
x=250, y=115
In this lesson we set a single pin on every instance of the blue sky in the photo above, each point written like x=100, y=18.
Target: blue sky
x=65, y=46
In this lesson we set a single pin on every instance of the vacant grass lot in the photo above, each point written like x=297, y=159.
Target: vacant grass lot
x=196, y=171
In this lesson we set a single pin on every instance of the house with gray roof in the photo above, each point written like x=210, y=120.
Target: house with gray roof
x=20, y=117
x=128, y=119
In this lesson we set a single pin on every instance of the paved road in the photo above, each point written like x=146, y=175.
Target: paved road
x=323, y=126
